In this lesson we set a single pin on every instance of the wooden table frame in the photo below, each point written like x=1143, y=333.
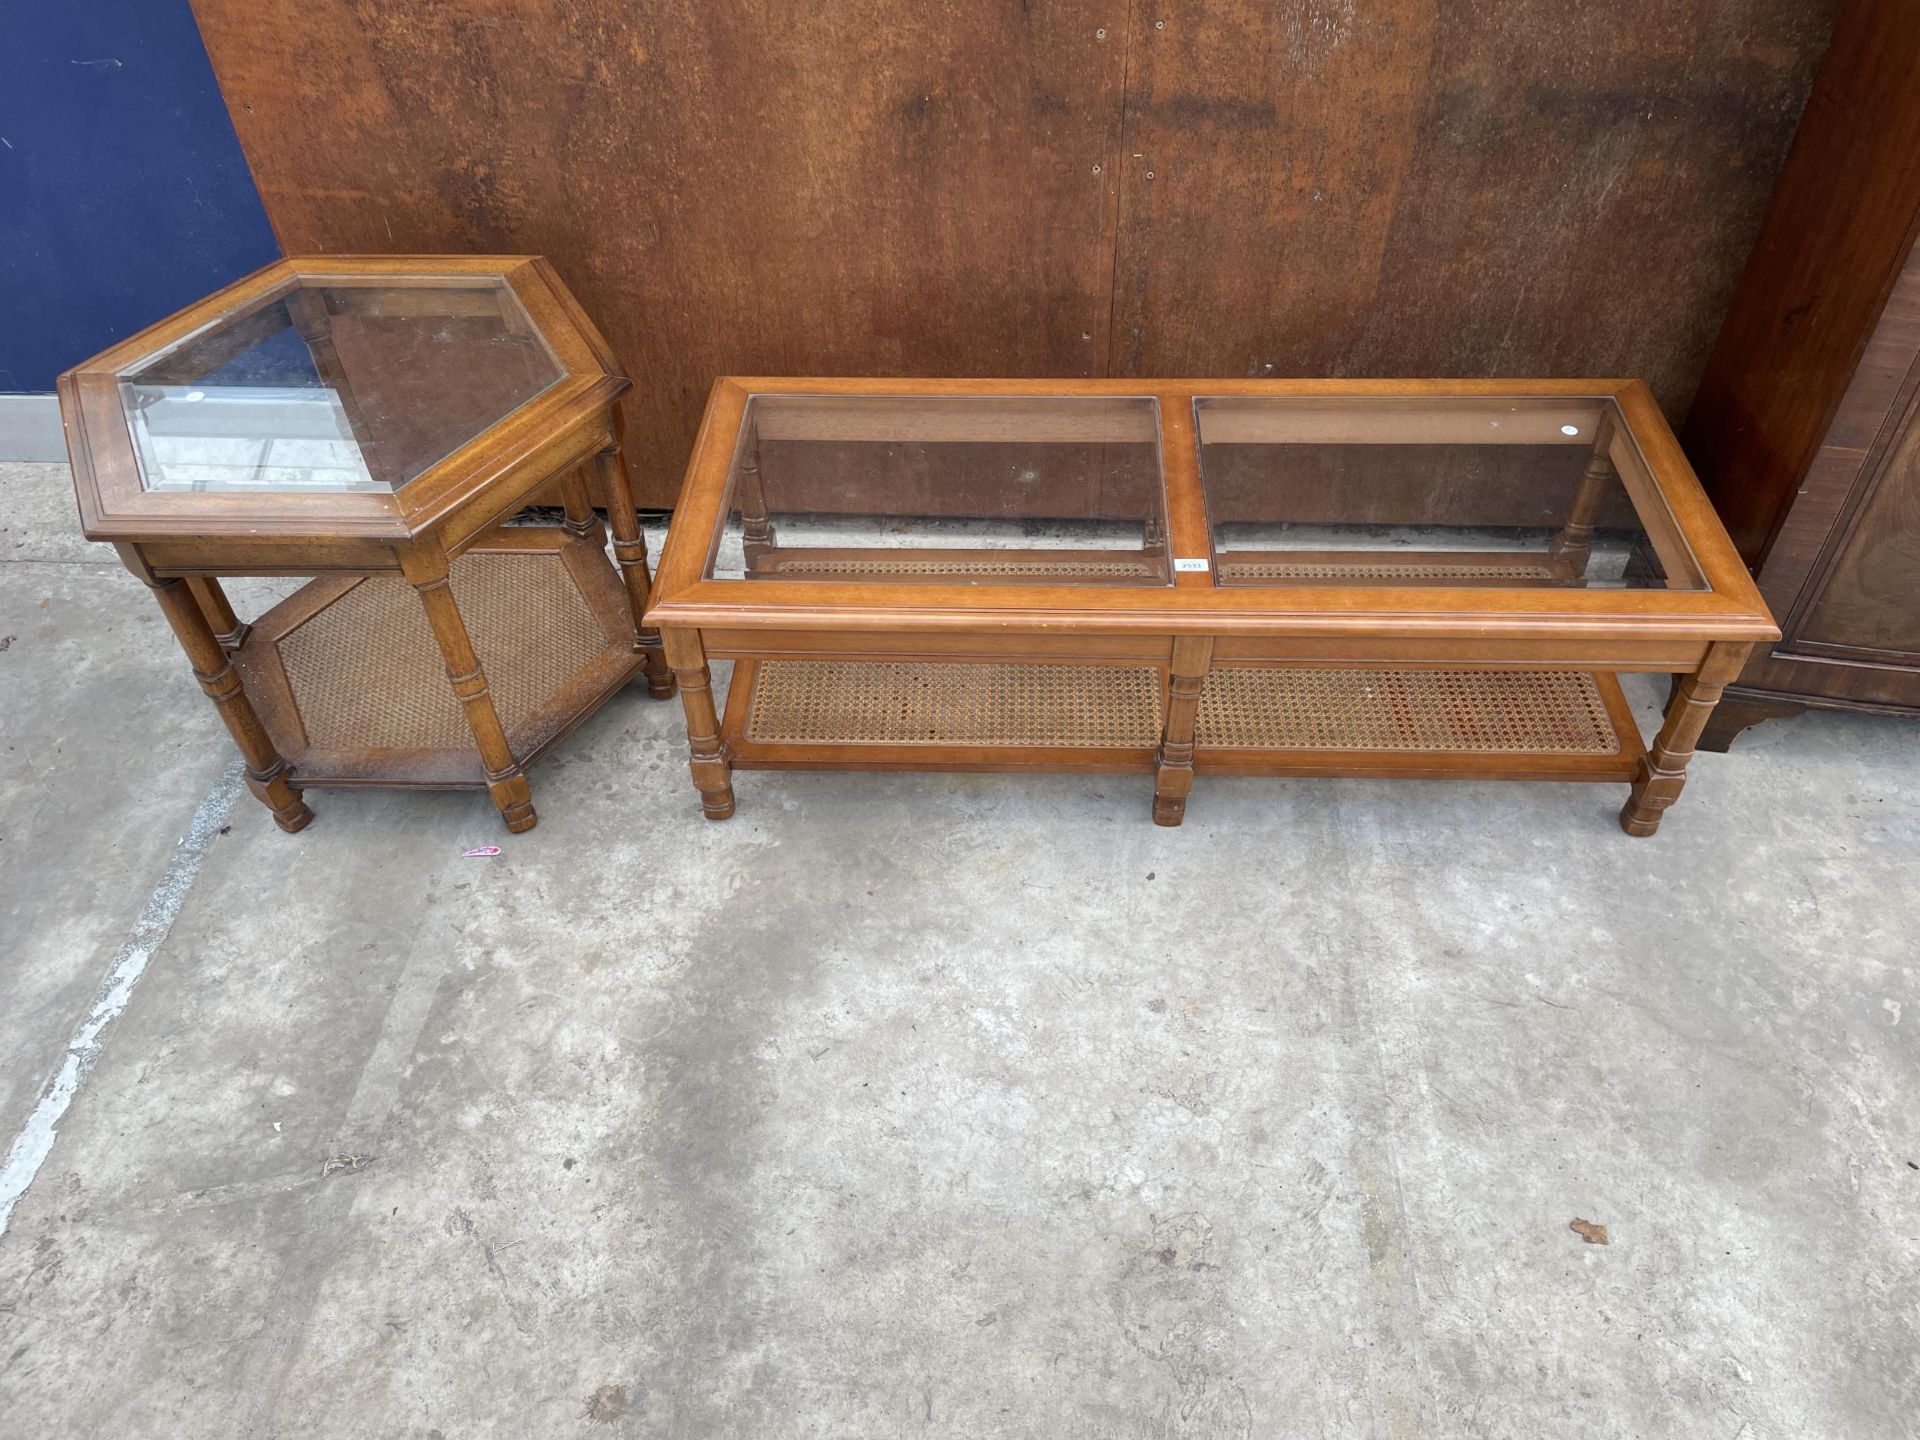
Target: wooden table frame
x=1701, y=635
x=178, y=543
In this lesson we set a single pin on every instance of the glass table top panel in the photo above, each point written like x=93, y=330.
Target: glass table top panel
x=1434, y=491
x=955, y=490
x=335, y=385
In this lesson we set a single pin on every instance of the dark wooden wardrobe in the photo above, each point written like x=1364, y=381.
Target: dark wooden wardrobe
x=1806, y=429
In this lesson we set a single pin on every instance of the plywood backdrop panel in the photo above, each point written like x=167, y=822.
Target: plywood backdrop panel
x=1426, y=188
x=928, y=187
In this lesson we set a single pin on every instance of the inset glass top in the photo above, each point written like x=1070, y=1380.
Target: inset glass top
x=335, y=384
x=1434, y=491
x=956, y=490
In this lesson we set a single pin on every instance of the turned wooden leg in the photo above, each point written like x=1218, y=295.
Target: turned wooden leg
x=756, y=526
x=630, y=549
x=712, y=775
x=228, y=628
x=1153, y=541
x=267, y=769
x=1663, y=773
x=1153, y=534
x=580, y=519
x=1173, y=772
x=308, y=311
x=1570, y=550
x=505, y=781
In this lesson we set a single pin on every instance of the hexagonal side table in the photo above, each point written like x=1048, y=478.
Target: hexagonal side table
x=373, y=421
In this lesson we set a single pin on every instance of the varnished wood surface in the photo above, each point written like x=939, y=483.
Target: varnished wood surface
x=1843, y=571
x=1869, y=602
x=1663, y=773
x=1185, y=628
x=269, y=775
x=1678, y=512
x=1807, y=430
x=455, y=504
x=460, y=496
x=1068, y=188
x=1839, y=230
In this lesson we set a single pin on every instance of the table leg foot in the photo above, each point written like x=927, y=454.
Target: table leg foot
x=293, y=821
x=506, y=782
x=630, y=549
x=1638, y=819
x=659, y=675
x=1663, y=774
x=706, y=751
x=1173, y=762
x=512, y=796
x=267, y=769
x=712, y=775
x=288, y=805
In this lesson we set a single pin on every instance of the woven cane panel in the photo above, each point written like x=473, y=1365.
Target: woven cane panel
x=365, y=671
x=1379, y=570
x=1523, y=712
x=905, y=703
x=1038, y=569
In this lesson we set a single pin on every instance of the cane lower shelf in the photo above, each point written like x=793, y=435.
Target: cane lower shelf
x=1409, y=578
x=1461, y=569
x=825, y=714
x=972, y=565
x=351, y=685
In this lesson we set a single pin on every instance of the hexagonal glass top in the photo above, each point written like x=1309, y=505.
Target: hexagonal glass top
x=335, y=383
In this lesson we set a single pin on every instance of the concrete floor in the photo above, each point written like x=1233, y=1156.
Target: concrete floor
x=930, y=1105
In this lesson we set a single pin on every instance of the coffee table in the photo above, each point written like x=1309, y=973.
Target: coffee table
x=373, y=421
x=1344, y=578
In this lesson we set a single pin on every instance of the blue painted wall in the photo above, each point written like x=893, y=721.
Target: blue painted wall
x=123, y=193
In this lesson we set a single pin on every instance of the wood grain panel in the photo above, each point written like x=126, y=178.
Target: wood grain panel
x=1840, y=228
x=1884, y=365
x=1401, y=187
x=1829, y=481
x=916, y=187
x=1805, y=429
x=926, y=187
x=1866, y=425
x=1870, y=600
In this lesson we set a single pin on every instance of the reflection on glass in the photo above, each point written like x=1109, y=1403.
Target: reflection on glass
x=334, y=385
x=957, y=490
x=1446, y=491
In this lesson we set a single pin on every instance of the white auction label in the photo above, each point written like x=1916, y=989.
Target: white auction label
x=1189, y=566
